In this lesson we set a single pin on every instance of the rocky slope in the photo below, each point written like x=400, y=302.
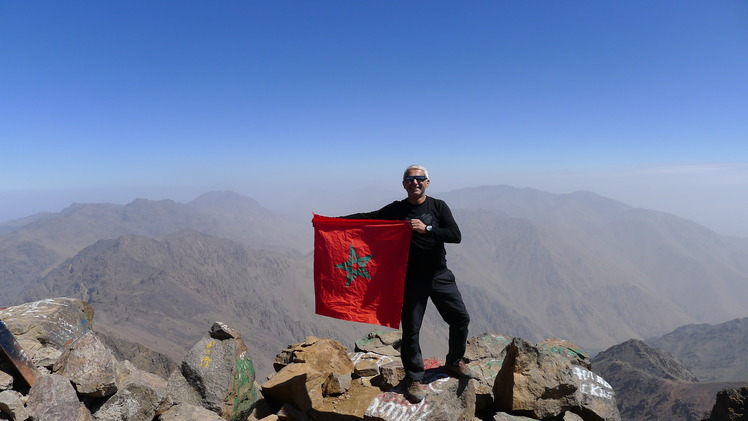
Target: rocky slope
x=651, y=384
x=77, y=377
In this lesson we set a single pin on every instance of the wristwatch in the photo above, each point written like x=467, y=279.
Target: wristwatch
x=429, y=228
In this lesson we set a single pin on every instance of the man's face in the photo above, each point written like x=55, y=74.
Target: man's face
x=415, y=182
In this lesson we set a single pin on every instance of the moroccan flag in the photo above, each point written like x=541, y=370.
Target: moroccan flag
x=359, y=269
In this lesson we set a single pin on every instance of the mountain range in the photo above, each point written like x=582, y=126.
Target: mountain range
x=531, y=264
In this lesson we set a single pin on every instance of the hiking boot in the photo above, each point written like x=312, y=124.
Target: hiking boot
x=461, y=370
x=413, y=390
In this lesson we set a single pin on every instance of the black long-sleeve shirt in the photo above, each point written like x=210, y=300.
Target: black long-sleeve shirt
x=427, y=253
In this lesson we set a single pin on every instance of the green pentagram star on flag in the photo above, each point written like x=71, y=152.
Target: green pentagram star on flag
x=355, y=267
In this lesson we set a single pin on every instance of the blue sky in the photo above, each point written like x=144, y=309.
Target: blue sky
x=642, y=101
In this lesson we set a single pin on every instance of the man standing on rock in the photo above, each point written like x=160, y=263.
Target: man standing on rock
x=427, y=277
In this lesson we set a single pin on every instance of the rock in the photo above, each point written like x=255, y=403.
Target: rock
x=53, y=398
x=446, y=398
x=89, y=365
x=731, y=405
x=542, y=383
x=503, y=416
x=6, y=381
x=48, y=323
x=568, y=349
x=11, y=404
x=324, y=355
x=179, y=390
x=485, y=354
x=350, y=406
x=289, y=413
x=570, y=416
x=187, y=412
x=305, y=367
x=298, y=384
x=336, y=384
x=382, y=343
x=392, y=374
x=219, y=369
x=138, y=396
x=366, y=367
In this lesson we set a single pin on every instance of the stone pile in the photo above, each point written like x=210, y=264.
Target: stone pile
x=318, y=379
x=81, y=380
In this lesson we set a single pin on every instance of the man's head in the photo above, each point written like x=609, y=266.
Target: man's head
x=415, y=182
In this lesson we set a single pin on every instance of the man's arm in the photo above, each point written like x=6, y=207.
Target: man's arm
x=386, y=212
x=447, y=231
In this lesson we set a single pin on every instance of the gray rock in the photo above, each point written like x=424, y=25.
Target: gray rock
x=179, y=390
x=51, y=322
x=89, y=365
x=186, y=412
x=383, y=343
x=53, y=398
x=138, y=396
x=222, y=373
x=11, y=403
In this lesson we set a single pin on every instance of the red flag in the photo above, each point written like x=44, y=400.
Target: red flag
x=359, y=269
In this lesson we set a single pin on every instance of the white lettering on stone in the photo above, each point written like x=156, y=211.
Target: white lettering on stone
x=592, y=384
x=394, y=407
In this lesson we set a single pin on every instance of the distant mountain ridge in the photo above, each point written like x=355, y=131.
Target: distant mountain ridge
x=531, y=264
x=32, y=249
x=713, y=352
x=163, y=292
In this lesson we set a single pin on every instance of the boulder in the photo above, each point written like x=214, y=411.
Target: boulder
x=731, y=405
x=53, y=398
x=219, y=371
x=485, y=354
x=89, y=365
x=47, y=325
x=447, y=398
x=138, y=396
x=542, y=383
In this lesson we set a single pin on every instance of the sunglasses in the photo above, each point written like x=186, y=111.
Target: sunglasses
x=418, y=178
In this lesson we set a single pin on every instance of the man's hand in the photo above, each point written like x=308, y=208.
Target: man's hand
x=418, y=226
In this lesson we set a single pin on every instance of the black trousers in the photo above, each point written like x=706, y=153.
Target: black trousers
x=443, y=292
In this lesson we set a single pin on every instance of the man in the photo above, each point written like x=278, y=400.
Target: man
x=427, y=277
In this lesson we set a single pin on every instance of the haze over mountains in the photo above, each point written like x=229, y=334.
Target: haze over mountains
x=531, y=264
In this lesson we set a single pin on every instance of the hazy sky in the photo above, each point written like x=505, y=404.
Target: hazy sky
x=645, y=102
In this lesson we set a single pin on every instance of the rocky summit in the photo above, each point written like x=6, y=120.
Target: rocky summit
x=80, y=378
